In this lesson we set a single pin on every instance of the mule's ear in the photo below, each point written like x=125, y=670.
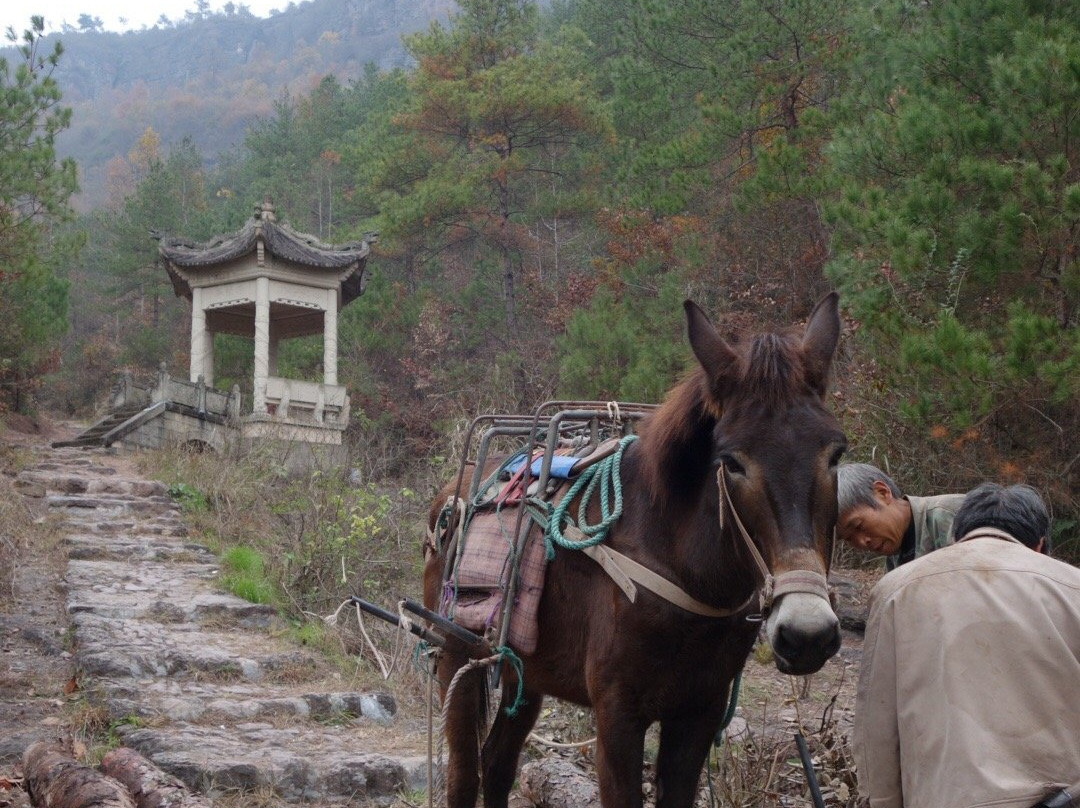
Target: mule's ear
x=711, y=350
x=819, y=341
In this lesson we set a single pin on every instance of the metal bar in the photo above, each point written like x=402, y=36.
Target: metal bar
x=481, y=454
x=808, y=770
x=443, y=624
x=389, y=617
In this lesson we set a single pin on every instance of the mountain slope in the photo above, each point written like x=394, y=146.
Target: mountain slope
x=208, y=77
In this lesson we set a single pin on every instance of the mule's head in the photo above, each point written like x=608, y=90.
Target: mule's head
x=779, y=448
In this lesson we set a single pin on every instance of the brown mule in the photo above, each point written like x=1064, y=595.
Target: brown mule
x=751, y=418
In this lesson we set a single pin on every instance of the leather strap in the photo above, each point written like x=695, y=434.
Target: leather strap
x=626, y=572
x=772, y=587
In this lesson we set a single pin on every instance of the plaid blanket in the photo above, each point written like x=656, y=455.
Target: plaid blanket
x=475, y=594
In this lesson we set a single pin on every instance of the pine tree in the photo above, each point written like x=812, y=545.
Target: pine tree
x=495, y=111
x=709, y=95
x=958, y=216
x=35, y=188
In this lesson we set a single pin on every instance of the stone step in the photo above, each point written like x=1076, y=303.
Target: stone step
x=92, y=523
x=205, y=684
x=167, y=592
x=115, y=647
x=64, y=466
x=296, y=764
x=111, y=503
x=70, y=483
x=192, y=701
x=147, y=545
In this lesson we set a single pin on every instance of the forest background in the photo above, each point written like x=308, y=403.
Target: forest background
x=548, y=185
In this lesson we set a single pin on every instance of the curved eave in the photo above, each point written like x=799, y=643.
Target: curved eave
x=279, y=241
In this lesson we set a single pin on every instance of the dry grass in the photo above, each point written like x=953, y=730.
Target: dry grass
x=24, y=527
x=317, y=541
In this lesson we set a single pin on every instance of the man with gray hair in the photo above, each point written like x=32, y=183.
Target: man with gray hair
x=874, y=515
x=968, y=691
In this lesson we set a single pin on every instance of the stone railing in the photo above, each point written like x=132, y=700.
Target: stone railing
x=310, y=402
x=131, y=391
x=166, y=389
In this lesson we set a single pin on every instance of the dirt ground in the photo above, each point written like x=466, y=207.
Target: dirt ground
x=36, y=673
x=39, y=696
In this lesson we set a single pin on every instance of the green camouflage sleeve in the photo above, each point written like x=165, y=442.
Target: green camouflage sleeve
x=936, y=530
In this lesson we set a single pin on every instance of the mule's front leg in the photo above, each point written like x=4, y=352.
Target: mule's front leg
x=684, y=745
x=620, y=753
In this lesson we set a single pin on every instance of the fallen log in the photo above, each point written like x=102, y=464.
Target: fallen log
x=54, y=779
x=556, y=783
x=150, y=786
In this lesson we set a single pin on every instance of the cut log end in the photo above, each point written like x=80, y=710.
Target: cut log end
x=556, y=783
x=54, y=779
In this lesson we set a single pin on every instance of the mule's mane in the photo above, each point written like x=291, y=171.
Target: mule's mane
x=676, y=441
x=772, y=372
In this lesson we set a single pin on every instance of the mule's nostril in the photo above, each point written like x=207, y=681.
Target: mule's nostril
x=802, y=649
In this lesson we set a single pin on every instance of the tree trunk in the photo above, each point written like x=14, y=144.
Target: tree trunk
x=151, y=787
x=509, y=292
x=555, y=783
x=56, y=780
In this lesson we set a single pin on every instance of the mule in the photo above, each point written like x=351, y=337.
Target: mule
x=729, y=492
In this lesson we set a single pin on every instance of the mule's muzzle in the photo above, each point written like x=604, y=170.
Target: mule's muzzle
x=804, y=633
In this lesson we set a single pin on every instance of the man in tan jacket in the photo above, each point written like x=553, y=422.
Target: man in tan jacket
x=969, y=693
x=873, y=515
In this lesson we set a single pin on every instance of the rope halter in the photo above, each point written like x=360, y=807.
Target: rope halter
x=772, y=587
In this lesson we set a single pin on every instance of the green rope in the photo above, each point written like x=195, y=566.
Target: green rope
x=508, y=655
x=603, y=476
x=733, y=701
x=729, y=713
x=422, y=649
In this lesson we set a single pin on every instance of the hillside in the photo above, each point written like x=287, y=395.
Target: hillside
x=208, y=77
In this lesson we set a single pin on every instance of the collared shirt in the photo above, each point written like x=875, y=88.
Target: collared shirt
x=969, y=691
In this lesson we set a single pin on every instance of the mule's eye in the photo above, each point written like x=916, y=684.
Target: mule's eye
x=834, y=461
x=731, y=465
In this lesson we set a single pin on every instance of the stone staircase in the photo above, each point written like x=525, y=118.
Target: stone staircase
x=199, y=681
x=99, y=434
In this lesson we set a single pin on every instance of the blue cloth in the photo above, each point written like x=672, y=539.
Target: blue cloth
x=560, y=466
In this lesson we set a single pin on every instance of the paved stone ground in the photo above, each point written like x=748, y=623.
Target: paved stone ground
x=200, y=682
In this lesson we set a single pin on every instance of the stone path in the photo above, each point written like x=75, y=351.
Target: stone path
x=199, y=681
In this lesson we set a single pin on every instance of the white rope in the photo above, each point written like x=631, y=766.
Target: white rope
x=468, y=666
x=614, y=413
x=379, y=659
x=332, y=619
x=557, y=745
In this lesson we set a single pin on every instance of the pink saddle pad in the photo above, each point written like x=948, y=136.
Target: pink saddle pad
x=475, y=594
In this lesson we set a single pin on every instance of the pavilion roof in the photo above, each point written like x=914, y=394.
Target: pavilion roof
x=279, y=240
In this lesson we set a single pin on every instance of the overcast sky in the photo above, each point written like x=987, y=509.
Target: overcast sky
x=137, y=13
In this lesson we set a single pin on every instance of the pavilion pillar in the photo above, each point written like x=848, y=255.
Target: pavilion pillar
x=198, y=340
x=262, y=344
x=330, y=337
x=275, y=341
x=208, y=357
